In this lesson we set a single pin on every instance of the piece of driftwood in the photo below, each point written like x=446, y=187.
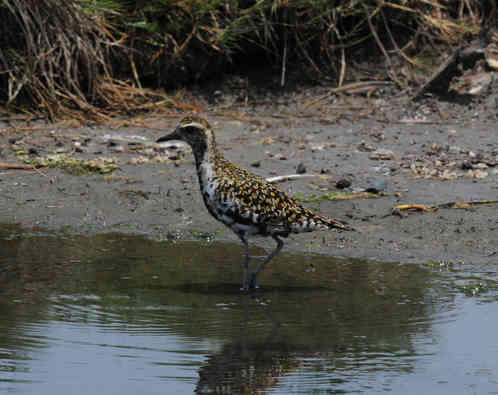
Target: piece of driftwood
x=440, y=80
x=15, y=166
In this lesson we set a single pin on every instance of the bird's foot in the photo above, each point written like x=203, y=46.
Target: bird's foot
x=246, y=285
x=249, y=288
x=253, y=284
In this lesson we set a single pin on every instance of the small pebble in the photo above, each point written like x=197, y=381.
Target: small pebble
x=343, y=183
x=453, y=149
x=301, y=169
x=377, y=186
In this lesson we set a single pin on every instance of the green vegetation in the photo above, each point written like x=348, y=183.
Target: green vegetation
x=97, y=57
x=66, y=162
x=75, y=166
x=474, y=289
x=203, y=236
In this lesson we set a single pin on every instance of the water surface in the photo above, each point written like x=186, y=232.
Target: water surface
x=115, y=314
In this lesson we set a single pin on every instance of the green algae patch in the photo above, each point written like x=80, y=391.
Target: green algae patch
x=73, y=165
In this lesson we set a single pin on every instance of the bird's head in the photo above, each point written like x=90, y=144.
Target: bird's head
x=195, y=131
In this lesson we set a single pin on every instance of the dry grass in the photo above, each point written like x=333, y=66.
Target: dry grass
x=92, y=59
x=57, y=61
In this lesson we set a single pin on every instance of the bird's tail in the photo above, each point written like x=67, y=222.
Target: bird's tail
x=333, y=223
x=309, y=222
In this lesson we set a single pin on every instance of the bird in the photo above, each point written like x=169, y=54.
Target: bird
x=245, y=202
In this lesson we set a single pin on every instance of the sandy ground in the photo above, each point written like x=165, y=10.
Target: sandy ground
x=431, y=153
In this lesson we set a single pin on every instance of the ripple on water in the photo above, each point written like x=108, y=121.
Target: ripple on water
x=121, y=313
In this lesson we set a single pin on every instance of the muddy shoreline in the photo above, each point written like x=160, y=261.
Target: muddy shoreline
x=154, y=190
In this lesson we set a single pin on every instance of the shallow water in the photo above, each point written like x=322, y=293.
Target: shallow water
x=119, y=314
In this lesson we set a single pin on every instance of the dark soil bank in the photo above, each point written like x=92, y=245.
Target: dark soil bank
x=154, y=190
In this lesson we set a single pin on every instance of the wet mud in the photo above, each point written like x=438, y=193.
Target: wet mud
x=113, y=178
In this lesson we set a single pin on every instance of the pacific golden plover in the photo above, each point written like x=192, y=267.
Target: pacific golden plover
x=243, y=201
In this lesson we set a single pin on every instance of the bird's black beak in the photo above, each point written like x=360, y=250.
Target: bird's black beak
x=168, y=137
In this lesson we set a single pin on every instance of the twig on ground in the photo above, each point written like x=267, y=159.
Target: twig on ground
x=430, y=209
x=290, y=177
x=355, y=87
x=15, y=166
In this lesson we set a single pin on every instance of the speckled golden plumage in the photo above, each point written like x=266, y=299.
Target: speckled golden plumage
x=271, y=206
x=243, y=201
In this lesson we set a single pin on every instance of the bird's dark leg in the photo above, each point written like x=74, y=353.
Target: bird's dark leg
x=247, y=258
x=254, y=275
